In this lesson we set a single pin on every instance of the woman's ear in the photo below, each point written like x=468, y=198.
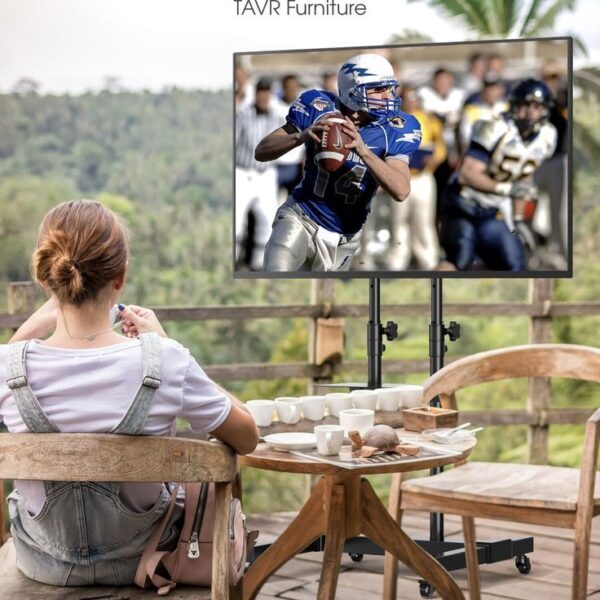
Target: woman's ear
x=119, y=282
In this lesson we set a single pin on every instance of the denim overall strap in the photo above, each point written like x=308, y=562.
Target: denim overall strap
x=134, y=419
x=28, y=405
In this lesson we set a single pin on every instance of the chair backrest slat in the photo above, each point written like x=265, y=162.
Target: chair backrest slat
x=107, y=457
x=539, y=360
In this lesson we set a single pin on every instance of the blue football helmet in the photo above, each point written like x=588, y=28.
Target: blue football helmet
x=365, y=72
x=530, y=90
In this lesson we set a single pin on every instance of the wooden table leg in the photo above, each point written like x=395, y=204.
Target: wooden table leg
x=334, y=543
x=380, y=528
x=390, y=564
x=308, y=525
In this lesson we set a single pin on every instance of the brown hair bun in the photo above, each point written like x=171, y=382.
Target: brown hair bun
x=82, y=247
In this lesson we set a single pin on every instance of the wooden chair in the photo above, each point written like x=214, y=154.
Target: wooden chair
x=106, y=457
x=544, y=495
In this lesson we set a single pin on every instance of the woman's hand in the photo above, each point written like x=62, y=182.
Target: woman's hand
x=137, y=319
x=39, y=324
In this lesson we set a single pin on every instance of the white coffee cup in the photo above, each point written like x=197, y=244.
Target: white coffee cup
x=261, y=411
x=288, y=409
x=411, y=395
x=329, y=439
x=337, y=401
x=389, y=399
x=364, y=399
x=313, y=407
x=357, y=419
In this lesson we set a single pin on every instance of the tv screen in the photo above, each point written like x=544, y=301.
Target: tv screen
x=420, y=160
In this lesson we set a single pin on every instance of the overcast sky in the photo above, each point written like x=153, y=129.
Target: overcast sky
x=72, y=45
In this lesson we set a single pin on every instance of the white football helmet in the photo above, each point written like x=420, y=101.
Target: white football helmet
x=361, y=73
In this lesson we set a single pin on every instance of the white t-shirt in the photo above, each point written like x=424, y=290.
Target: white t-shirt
x=89, y=391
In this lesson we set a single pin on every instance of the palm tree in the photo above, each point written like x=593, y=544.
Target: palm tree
x=506, y=18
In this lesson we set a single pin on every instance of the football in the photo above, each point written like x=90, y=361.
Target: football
x=331, y=152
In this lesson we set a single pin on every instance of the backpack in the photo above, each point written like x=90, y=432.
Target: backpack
x=190, y=562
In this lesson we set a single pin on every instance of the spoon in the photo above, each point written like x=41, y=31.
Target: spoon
x=447, y=439
x=447, y=434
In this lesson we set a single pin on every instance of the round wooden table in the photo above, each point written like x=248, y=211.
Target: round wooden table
x=343, y=505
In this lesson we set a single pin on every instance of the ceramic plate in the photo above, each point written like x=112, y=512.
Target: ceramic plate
x=291, y=441
x=438, y=435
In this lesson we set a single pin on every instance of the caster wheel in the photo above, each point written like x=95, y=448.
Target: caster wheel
x=523, y=563
x=426, y=589
x=356, y=557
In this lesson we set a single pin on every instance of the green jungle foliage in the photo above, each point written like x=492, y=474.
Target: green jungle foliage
x=164, y=162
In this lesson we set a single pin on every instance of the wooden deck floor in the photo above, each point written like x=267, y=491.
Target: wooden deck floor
x=549, y=578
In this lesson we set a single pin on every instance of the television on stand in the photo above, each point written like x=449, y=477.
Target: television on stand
x=424, y=160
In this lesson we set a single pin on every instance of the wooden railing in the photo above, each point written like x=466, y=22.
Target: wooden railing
x=326, y=319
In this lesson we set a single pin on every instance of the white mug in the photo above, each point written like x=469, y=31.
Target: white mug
x=337, y=401
x=288, y=409
x=364, y=399
x=411, y=395
x=329, y=439
x=357, y=419
x=313, y=407
x=261, y=411
x=389, y=399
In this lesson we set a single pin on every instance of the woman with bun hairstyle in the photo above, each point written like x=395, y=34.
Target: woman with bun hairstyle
x=85, y=377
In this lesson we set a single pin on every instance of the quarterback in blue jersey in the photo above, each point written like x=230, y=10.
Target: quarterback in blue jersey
x=320, y=226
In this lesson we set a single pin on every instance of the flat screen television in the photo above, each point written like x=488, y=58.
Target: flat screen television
x=417, y=161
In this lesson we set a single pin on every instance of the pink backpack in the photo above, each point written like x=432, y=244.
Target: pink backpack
x=191, y=561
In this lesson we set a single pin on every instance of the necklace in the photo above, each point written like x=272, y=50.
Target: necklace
x=89, y=338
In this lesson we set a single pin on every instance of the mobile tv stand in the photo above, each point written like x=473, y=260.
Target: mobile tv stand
x=450, y=554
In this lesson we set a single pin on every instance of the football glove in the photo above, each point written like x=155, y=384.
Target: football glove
x=525, y=233
x=523, y=190
x=518, y=190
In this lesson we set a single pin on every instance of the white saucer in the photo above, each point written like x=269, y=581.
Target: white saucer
x=291, y=441
x=438, y=435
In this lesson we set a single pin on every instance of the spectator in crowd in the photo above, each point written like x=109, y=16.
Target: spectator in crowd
x=471, y=83
x=243, y=92
x=329, y=82
x=490, y=102
x=497, y=63
x=289, y=166
x=412, y=223
x=255, y=182
x=444, y=100
x=494, y=67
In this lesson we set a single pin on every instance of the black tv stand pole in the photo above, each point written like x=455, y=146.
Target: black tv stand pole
x=375, y=333
x=437, y=350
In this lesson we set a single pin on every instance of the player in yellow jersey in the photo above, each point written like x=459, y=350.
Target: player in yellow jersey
x=412, y=224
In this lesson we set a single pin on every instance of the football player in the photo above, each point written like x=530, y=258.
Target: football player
x=491, y=200
x=319, y=227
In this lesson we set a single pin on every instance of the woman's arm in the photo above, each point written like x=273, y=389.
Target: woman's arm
x=39, y=324
x=238, y=430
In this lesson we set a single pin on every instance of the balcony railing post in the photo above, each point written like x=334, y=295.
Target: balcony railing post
x=538, y=402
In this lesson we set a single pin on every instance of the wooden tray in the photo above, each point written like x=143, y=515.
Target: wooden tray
x=428, y=417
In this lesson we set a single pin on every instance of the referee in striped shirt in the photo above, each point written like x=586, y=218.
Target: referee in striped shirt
x=255, y=182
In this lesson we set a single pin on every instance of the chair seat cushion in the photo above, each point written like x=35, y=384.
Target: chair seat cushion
x=530, y=486
x=15, y=586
